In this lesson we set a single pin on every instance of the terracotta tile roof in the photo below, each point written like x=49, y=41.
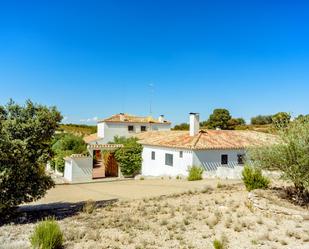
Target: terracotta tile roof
x=127, y=118
x=208, y=139
x=91, y=138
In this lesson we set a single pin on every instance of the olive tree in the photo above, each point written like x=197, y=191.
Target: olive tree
x=290, y=154
x=25, y=137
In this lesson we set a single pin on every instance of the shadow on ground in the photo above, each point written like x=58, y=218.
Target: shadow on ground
x=59, y=210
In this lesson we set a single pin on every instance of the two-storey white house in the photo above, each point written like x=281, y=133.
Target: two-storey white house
x=79, y=168
x=125, y=125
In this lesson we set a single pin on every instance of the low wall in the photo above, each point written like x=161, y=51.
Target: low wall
x=78, y=169
x=223, y=172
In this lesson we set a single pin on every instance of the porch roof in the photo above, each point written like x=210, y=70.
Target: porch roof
x=104, y=146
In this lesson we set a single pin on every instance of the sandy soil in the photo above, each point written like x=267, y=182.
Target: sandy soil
x=193, y=219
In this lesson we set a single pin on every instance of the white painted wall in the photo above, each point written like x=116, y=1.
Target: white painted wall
x=157, y=167
x=210, y=160
x=78, y=169
x=108, y=130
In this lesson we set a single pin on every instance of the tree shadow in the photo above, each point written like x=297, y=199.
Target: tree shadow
x=58, y=210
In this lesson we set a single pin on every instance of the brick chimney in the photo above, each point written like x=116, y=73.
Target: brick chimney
x=194, y=123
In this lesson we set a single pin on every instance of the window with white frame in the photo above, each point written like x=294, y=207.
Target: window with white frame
x=169, y=159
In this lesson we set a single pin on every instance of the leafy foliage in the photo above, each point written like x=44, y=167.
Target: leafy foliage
x=253, y=178
x=47, y=235
x=66, y=145
x=181, y=127
x=290, y=155
x=195, y=173
x=25, y=137
x=221, y=118
x=261, y=120
x=281, y=119
x=129, y=157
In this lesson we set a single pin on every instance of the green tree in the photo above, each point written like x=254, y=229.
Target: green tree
x=129, y=157
x=261, y=120
x=25, y=147
x=66, y=145
x=219, y=119
x=281, y=119
x=290, y=154
x=233, y=122
x=181, y=127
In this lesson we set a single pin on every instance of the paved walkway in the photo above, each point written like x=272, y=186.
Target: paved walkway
x=123, y=190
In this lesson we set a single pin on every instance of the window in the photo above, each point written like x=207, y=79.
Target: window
x=181, y=154
x=143, y=128
x=169, y=159
x=153, y=155
x=240, y=159
x=130, y=128
x=224, y=159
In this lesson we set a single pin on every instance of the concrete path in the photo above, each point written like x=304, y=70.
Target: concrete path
x=123, y=190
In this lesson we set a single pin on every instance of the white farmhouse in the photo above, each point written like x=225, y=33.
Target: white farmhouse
x=80, y=168
x=220, y=152
x=125, y=125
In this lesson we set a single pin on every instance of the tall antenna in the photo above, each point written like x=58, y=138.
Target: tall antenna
x=151, y=87
x=123, y=99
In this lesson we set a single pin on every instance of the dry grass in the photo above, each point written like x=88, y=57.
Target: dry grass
x=194, y=219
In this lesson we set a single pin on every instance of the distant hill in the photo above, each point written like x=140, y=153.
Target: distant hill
x=77, y=129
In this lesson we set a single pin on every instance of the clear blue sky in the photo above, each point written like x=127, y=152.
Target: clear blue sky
x=96, y=58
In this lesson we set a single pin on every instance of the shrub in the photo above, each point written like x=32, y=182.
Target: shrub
x=290, y=154
x=47, y=235
x=253, y=178
x=25, y=136
x=129, y=156
x=218, y=244
x=195, y=173
x=89, y=207
x=66, y=145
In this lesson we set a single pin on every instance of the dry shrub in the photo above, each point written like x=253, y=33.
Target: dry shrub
x=89, y=207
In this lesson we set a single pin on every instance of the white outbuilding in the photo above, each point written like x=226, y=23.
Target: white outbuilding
x=220, y=153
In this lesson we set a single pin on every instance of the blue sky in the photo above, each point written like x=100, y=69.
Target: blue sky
x=96, y=58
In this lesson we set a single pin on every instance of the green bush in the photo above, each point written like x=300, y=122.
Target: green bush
x=66, y=145
x=195, y=173
x=25, y=136
x=47, y=235
x=129, y=157
x=290, y=155
x=253, y=178
x=218, y=244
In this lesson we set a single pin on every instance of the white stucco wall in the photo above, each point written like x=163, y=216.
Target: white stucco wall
x=210, y=160
x=157, y=167
x=78, y=169
x=109, y=130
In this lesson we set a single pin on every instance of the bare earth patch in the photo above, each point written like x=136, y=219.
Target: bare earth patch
x=189, y=220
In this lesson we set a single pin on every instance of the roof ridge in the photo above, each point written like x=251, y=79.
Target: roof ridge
x=197, y=139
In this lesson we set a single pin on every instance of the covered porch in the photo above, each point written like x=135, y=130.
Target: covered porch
x=99, y=164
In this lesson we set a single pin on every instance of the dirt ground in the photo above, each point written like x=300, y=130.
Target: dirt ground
x=187, y=219
x=123, y=190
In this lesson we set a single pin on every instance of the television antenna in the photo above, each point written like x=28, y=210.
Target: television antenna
x=151, y=88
